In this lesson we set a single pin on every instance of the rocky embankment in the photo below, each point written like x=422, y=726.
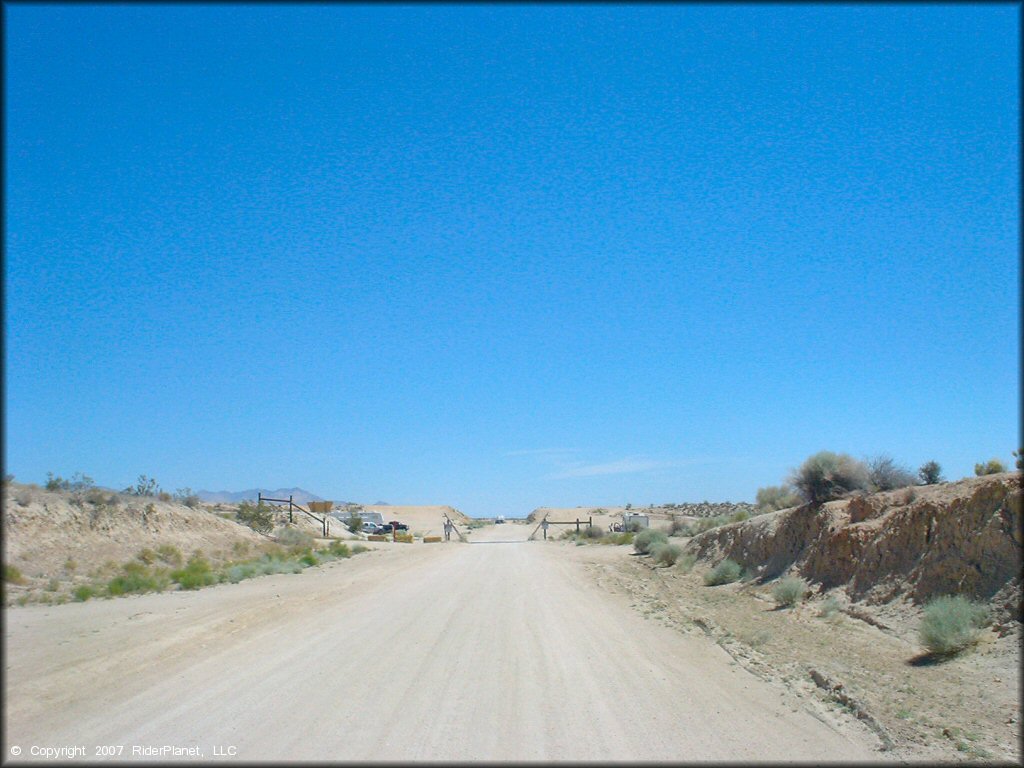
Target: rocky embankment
x=710, y=509
x=953, y=538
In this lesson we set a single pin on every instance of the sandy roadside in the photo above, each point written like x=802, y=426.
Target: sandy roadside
x=452, y=652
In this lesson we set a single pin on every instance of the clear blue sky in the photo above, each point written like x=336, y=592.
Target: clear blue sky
x=508, y=256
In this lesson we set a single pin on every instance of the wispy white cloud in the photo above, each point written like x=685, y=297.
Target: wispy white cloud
x=625, y=466
x=543, y=452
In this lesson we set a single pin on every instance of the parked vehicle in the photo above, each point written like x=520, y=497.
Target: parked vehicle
x=386, y=528
x=499, y=520
x=369, y=527
x=398, y=526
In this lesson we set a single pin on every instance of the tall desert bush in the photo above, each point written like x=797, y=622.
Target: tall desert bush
x=666, y=554
x=725, y=572
x=789, y=591
x=930, y=473
x=826, y=476
x=951, y=623
x=990, y=467
x=775, y=497
x=647, y=538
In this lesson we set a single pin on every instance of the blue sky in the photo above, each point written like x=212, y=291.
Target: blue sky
x=508, y=256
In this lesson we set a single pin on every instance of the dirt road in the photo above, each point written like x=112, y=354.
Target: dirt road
x=488, y=651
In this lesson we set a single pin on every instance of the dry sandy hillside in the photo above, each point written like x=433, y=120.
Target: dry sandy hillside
x=853, y=644
x=50, y=534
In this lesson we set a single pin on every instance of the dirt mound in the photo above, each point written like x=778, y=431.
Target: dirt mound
x=954, y=538
x=43, y=530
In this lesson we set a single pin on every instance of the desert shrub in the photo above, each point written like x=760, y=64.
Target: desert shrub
x=789, y=591
x=164, y=496
x=666, y=554
x=136, y=577
x=70, y=565
x=739, y=516
x=144, y=486
x=259, y=517
x=241, y=571
x=829, y=607
x=170, y=554
x=13, y=575
x=196, y=573
x=358, y=549
x=826, y=476
x=644, y=540
x=187, y=497
x=295, y=538
x=884, y=474
x=23, y=497
x=56, y=483
x=354, y=522
x=951, y=623
x=309, y=559
x=907, y=495
x=52, y=585
x=680, y=528
x=95, y=496
x=686, y=562
x=1018, y=457
x=990, y=467
x=83, y=592
x=147, y=555
x=635, y=526
x=930, y=473
x=593, y=532
x=725, y=572
x=775, y=497
x=339, y=549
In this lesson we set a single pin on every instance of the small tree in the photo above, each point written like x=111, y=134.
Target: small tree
x=1017, y=455
x=826, y=476
x=930, y=473
x=990, y=467
x=259, y=517
x=144, y=486
x=885, y=474
x=355, y=522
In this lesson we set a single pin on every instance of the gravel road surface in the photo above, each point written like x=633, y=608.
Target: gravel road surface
x=487, y=651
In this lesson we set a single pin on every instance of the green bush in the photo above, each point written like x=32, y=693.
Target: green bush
x=136, y=577
x=990, y=467
x=259, y=517
x=775, y=497
x=83, y=593
x=359, y=549
x=354, y=522
x=951, y=623
x=339, y=549
x=826, y=476
x=930, y=473
x=13, y=575
x=593, y=532
x=789, y=591
x=644, y=540
x=197, y=573
x=309, y=559
x=725, y=572
x=739, y=516
x=666, y=554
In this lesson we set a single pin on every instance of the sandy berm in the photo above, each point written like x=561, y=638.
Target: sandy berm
x=498, y=650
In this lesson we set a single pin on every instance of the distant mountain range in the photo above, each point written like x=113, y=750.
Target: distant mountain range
x=234, y=497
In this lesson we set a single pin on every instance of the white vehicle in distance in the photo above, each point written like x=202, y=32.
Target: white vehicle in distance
x=499, y=520
x=369, y=527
